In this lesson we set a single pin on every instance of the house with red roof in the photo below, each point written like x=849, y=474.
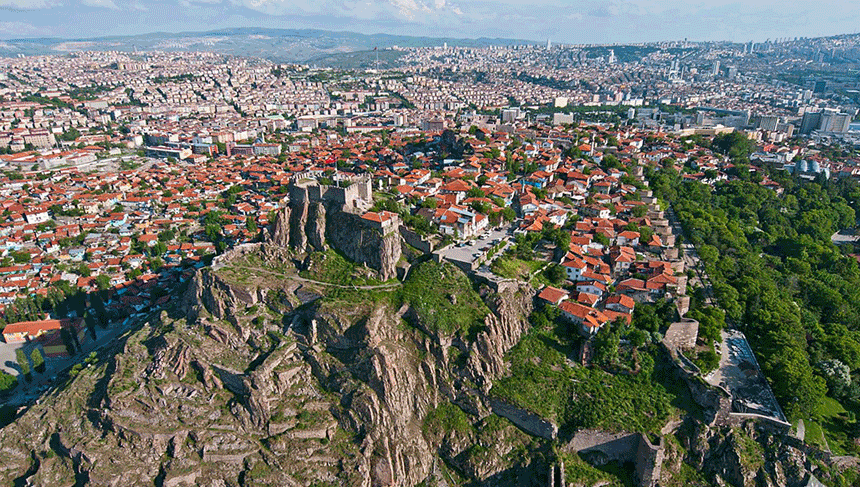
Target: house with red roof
x=589, y=319
x=27, y=331
x=620, y=303
x=553, y=295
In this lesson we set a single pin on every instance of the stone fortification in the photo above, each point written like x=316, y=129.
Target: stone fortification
x=318, y=214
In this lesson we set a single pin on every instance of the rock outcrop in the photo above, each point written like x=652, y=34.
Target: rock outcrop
x=504, y=328
x=363, y=243
x=306, y=224
x=332, y=392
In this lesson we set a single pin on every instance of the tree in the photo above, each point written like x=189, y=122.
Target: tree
x=555, y=273
x=475, y=193
x=103, y=281
x=90, y=321
x=606, y=345
x=480, y=206
x=638, y=337
x=68, y=341
x=645, y=317
x=707, y=361
x=70, y=135
x=167, y=235
x=23, y=364
x=736, y=145
x=602, y=239
x=159, y=248
x=251, y=224
x=8, y=382
x=495, y=218
x=711, y=322
x=212, y=231
x=38, y=360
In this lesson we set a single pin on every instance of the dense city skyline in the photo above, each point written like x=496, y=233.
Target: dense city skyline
x=581, y=21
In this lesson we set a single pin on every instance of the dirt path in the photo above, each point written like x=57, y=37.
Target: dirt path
x=321, y=283
x=801, y=430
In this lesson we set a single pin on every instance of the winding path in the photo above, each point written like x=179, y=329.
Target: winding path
x=322, y=283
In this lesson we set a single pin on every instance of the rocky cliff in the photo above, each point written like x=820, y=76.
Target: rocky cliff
x=261, y=377
x=363, y=243
x=231, y=388
x=306, y=226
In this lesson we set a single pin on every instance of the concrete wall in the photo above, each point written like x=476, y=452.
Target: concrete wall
x=620, y=447
x=416, y=240
x=649, y=461
x=716, y=402
x=527, y=421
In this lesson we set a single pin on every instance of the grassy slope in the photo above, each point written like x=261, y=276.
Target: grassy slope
x=444, y=299
x=543, y=381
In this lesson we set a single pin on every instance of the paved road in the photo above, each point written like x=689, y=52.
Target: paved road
x=7, y=357
x=844, y=237
x=467, y=253
x=26, y=392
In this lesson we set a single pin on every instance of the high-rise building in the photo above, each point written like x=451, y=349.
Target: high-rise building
x=510, y=114
x=562, y=118
x=810, y=121
x=716, y=69
x=835, y=122
x=767, y=122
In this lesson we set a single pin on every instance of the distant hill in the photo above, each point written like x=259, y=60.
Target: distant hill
x=282, y=45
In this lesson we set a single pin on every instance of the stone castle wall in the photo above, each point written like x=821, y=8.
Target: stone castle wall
x=312, y=192
x=317, y=215
x=622, y=447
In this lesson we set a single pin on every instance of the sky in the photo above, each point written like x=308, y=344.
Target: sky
x=562, y=21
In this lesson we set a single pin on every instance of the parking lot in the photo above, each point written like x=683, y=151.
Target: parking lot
x=475, y=248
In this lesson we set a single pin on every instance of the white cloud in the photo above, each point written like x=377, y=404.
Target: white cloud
x=20, y=29
x=27, y=4
x=373, y=10
x=101, y=3
x=408, y=8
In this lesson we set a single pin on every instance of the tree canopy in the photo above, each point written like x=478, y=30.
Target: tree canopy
x=778, y=277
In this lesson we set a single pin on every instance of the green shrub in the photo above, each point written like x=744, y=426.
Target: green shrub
x=8, y=382
x=38, y=360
